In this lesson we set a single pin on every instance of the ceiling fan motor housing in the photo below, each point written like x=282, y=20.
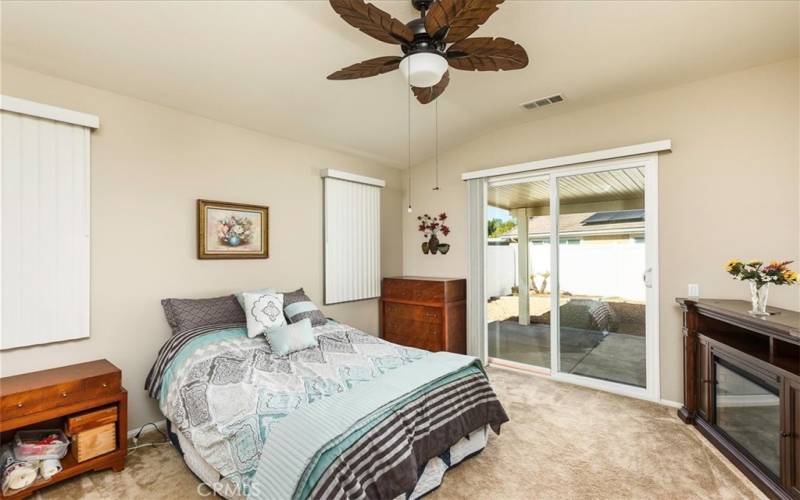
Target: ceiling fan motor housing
x=421, y=5
x=422, y=40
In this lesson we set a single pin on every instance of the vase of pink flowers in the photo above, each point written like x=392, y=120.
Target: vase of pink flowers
x=760, y=276
x=431, y=227
x=234, y=230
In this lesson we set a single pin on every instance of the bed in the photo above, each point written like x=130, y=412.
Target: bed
x=354, y=416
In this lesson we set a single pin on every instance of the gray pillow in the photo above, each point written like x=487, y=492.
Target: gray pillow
x=188, y=314
x=297, y=306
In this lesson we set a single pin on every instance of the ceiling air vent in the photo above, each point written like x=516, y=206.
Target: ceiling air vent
x=544, y=101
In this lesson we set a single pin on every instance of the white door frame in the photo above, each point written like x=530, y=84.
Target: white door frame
x=652, y=389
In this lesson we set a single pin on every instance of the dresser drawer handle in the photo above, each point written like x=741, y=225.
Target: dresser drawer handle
x=105, y=384
x=19, y=405
x=63, y=394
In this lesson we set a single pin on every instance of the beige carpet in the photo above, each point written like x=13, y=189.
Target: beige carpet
x=562, y=442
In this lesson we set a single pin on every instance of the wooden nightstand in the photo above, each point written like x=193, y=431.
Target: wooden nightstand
x=44, y=399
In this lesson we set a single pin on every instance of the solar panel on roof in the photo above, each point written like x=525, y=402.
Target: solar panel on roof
x=614, y=217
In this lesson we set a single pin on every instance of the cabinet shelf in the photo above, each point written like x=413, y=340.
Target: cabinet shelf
x=772, y=351
x=70, y=469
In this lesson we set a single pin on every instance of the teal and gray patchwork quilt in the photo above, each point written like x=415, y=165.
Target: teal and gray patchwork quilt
x=355, y=416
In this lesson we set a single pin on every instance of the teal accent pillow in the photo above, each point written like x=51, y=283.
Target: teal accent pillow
x=240, y=295
x=291, y=338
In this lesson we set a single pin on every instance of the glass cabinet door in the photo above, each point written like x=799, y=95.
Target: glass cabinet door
x=748, y=409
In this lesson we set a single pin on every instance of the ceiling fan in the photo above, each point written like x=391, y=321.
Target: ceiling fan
x=436, y=39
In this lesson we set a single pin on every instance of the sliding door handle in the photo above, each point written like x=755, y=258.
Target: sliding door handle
x=647, y=277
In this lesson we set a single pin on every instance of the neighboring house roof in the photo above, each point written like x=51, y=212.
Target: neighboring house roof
x=621, y=222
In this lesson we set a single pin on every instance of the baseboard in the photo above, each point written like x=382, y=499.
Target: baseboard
x=161, y=424
x=670, y=403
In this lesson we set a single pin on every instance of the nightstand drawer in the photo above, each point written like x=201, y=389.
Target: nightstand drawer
x=44, y=398
x=420, y=336
x=413, y=326
x=408, y=312
x=26, y=394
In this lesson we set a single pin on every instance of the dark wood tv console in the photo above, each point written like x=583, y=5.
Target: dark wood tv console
x=742, y=388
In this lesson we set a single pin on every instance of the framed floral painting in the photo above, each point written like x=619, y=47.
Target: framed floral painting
x=232, y=230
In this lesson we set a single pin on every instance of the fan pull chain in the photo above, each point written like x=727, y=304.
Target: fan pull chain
x=436, y=145
x=409, y=134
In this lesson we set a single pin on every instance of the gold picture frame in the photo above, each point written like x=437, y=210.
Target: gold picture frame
x=232, y=230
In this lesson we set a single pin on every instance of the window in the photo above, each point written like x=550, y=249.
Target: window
x=352, y=236
x=45, y=223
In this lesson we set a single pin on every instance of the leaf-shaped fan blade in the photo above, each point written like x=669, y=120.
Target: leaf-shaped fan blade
x=458, y=19
x=428, y=94
x=373, y=21
x=487, y=54
x=365, y=69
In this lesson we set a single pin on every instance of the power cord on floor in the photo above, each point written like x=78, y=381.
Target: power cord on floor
x=135, y=438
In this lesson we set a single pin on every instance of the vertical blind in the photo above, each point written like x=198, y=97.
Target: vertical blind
x=476, y=258
x=352, y=237
x=44, y=230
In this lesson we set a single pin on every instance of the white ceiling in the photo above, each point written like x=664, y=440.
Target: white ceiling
x=262, y=65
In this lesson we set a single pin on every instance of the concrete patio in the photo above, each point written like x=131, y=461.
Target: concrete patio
x=617, y=357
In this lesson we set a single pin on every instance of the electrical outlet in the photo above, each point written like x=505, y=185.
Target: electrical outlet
x=694, y=290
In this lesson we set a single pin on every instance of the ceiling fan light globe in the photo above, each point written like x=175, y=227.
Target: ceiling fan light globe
x=425, y=68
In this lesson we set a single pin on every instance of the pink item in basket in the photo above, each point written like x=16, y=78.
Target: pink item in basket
x=40, y=445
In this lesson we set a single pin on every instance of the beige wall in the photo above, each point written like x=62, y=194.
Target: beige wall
x=149, y=165
x=729, y=188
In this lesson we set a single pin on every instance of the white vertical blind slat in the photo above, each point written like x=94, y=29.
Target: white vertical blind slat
x=476, y=257
x=44, y=261
x=11, y=212
x=352, y=241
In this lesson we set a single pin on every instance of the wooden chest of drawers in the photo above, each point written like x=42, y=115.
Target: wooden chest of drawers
x=49, y=398
x=427, y=313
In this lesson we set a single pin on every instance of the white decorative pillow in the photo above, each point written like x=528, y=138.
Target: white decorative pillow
x=264, y=311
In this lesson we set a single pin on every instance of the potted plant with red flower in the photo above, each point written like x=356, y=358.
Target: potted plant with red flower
x=431, y=227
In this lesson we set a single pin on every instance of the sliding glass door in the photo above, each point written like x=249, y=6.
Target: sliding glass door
x=518, y=268
x=601, y=275
x=570, y=271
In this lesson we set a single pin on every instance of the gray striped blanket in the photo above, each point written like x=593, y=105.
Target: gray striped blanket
x=372, y=441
